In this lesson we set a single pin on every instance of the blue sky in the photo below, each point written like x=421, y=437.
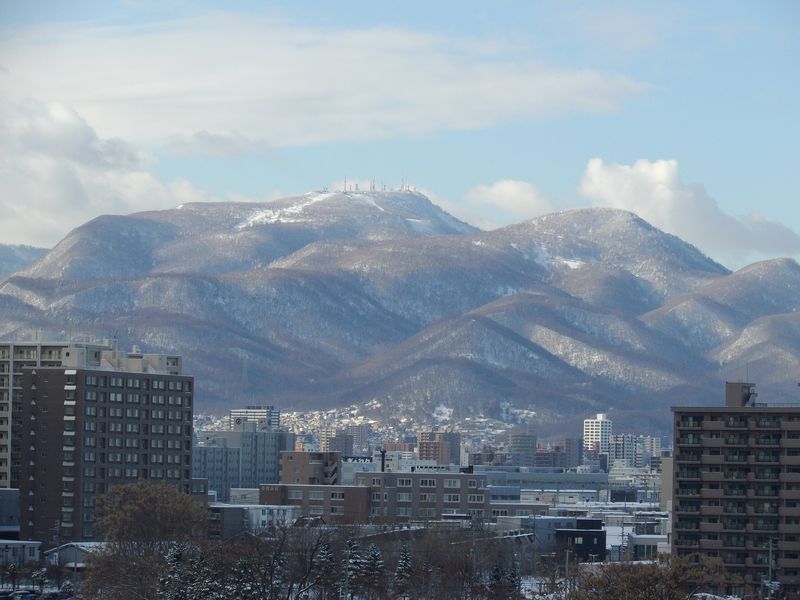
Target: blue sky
x=685, y=113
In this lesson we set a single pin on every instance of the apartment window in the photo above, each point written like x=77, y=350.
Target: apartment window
x=427, y=497
x=404, y=497
x=337, y=495
x=173, y=473
x=427, y=512
x=314, y=510
x=134, y=383
x=337, y=510
x=132, y=413
x=132, y=427
x=475, y=498
x=295, y=494
x=157, y=429
x=316, y=495
x=131, y=472
x=403, y=511
x=157, y=458
x=115, y=457
x=115, y=442
x=89, y=441
x=90, y=411
x=175, y=401
x=473, y=483
x=427, y=483
x=157, y=399
x=115, y=397
x=452, y=497
x=116, y=381
x=91, y=380
x=115, y=411
x=89, y=471
x=131, y=442
x=89, y=457
x=403, y=482
x=452, y=483
x=90, y=426
x=115, y=427
x=376, y=481
x=158, y=384
x=133, y=398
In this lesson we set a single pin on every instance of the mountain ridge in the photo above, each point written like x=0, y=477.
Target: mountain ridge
x=383, y=300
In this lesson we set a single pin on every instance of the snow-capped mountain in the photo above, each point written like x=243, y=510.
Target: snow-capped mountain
x=14, y=258
x=384, y=300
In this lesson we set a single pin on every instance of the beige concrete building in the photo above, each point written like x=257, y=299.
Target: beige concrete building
x=311, y=468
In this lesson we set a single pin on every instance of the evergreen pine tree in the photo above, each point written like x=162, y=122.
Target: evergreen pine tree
x=374, y=568
x=325, y=566
x=402, y=574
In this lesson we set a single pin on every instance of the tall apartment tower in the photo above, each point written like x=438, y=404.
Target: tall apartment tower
x=14, y=356
x=736, y=488
x=263, y=416
x=83, y=429
x=431, y=446
x=242, y=458
x=522, y=447
x=597, y=434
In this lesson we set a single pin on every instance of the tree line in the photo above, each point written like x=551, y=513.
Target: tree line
x=156, y=550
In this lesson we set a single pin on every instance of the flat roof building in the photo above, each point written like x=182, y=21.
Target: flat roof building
x=82, y=430
x=736, y=488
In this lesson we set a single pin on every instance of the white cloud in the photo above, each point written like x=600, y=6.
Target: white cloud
x=509, y=201
x=56, y=173
x=203, y=79
x=654, y=191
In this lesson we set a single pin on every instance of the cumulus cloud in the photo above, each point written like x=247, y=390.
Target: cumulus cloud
x=509, y=200
x=654, y=191
x=199, y=80
x=56, y=173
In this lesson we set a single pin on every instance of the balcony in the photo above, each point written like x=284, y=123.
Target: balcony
x=711, y=459
x=710, y=527
x=790, y=477
x=789, y=494
x=707, y=493
x=790, y=443
x=716, y=442
x=789, y=511
x=711, y=544
x=789, y=546
x=787, y=425
x=711, y=511
x=791, y=460
x=789, y=563
x=713, y=425
x=712, y=476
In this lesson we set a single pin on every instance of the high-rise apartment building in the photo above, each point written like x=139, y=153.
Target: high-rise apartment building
x=431, y=445
x=597, y=434
x=242, y=458
x=736, y=488
x=83, y=429
x=14, y=356
x=522, y=448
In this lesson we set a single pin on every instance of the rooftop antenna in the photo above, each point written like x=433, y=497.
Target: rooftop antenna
x=345, y=183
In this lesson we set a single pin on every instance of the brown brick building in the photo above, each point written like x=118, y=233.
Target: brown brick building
x=736, y=488
x=81, y=430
